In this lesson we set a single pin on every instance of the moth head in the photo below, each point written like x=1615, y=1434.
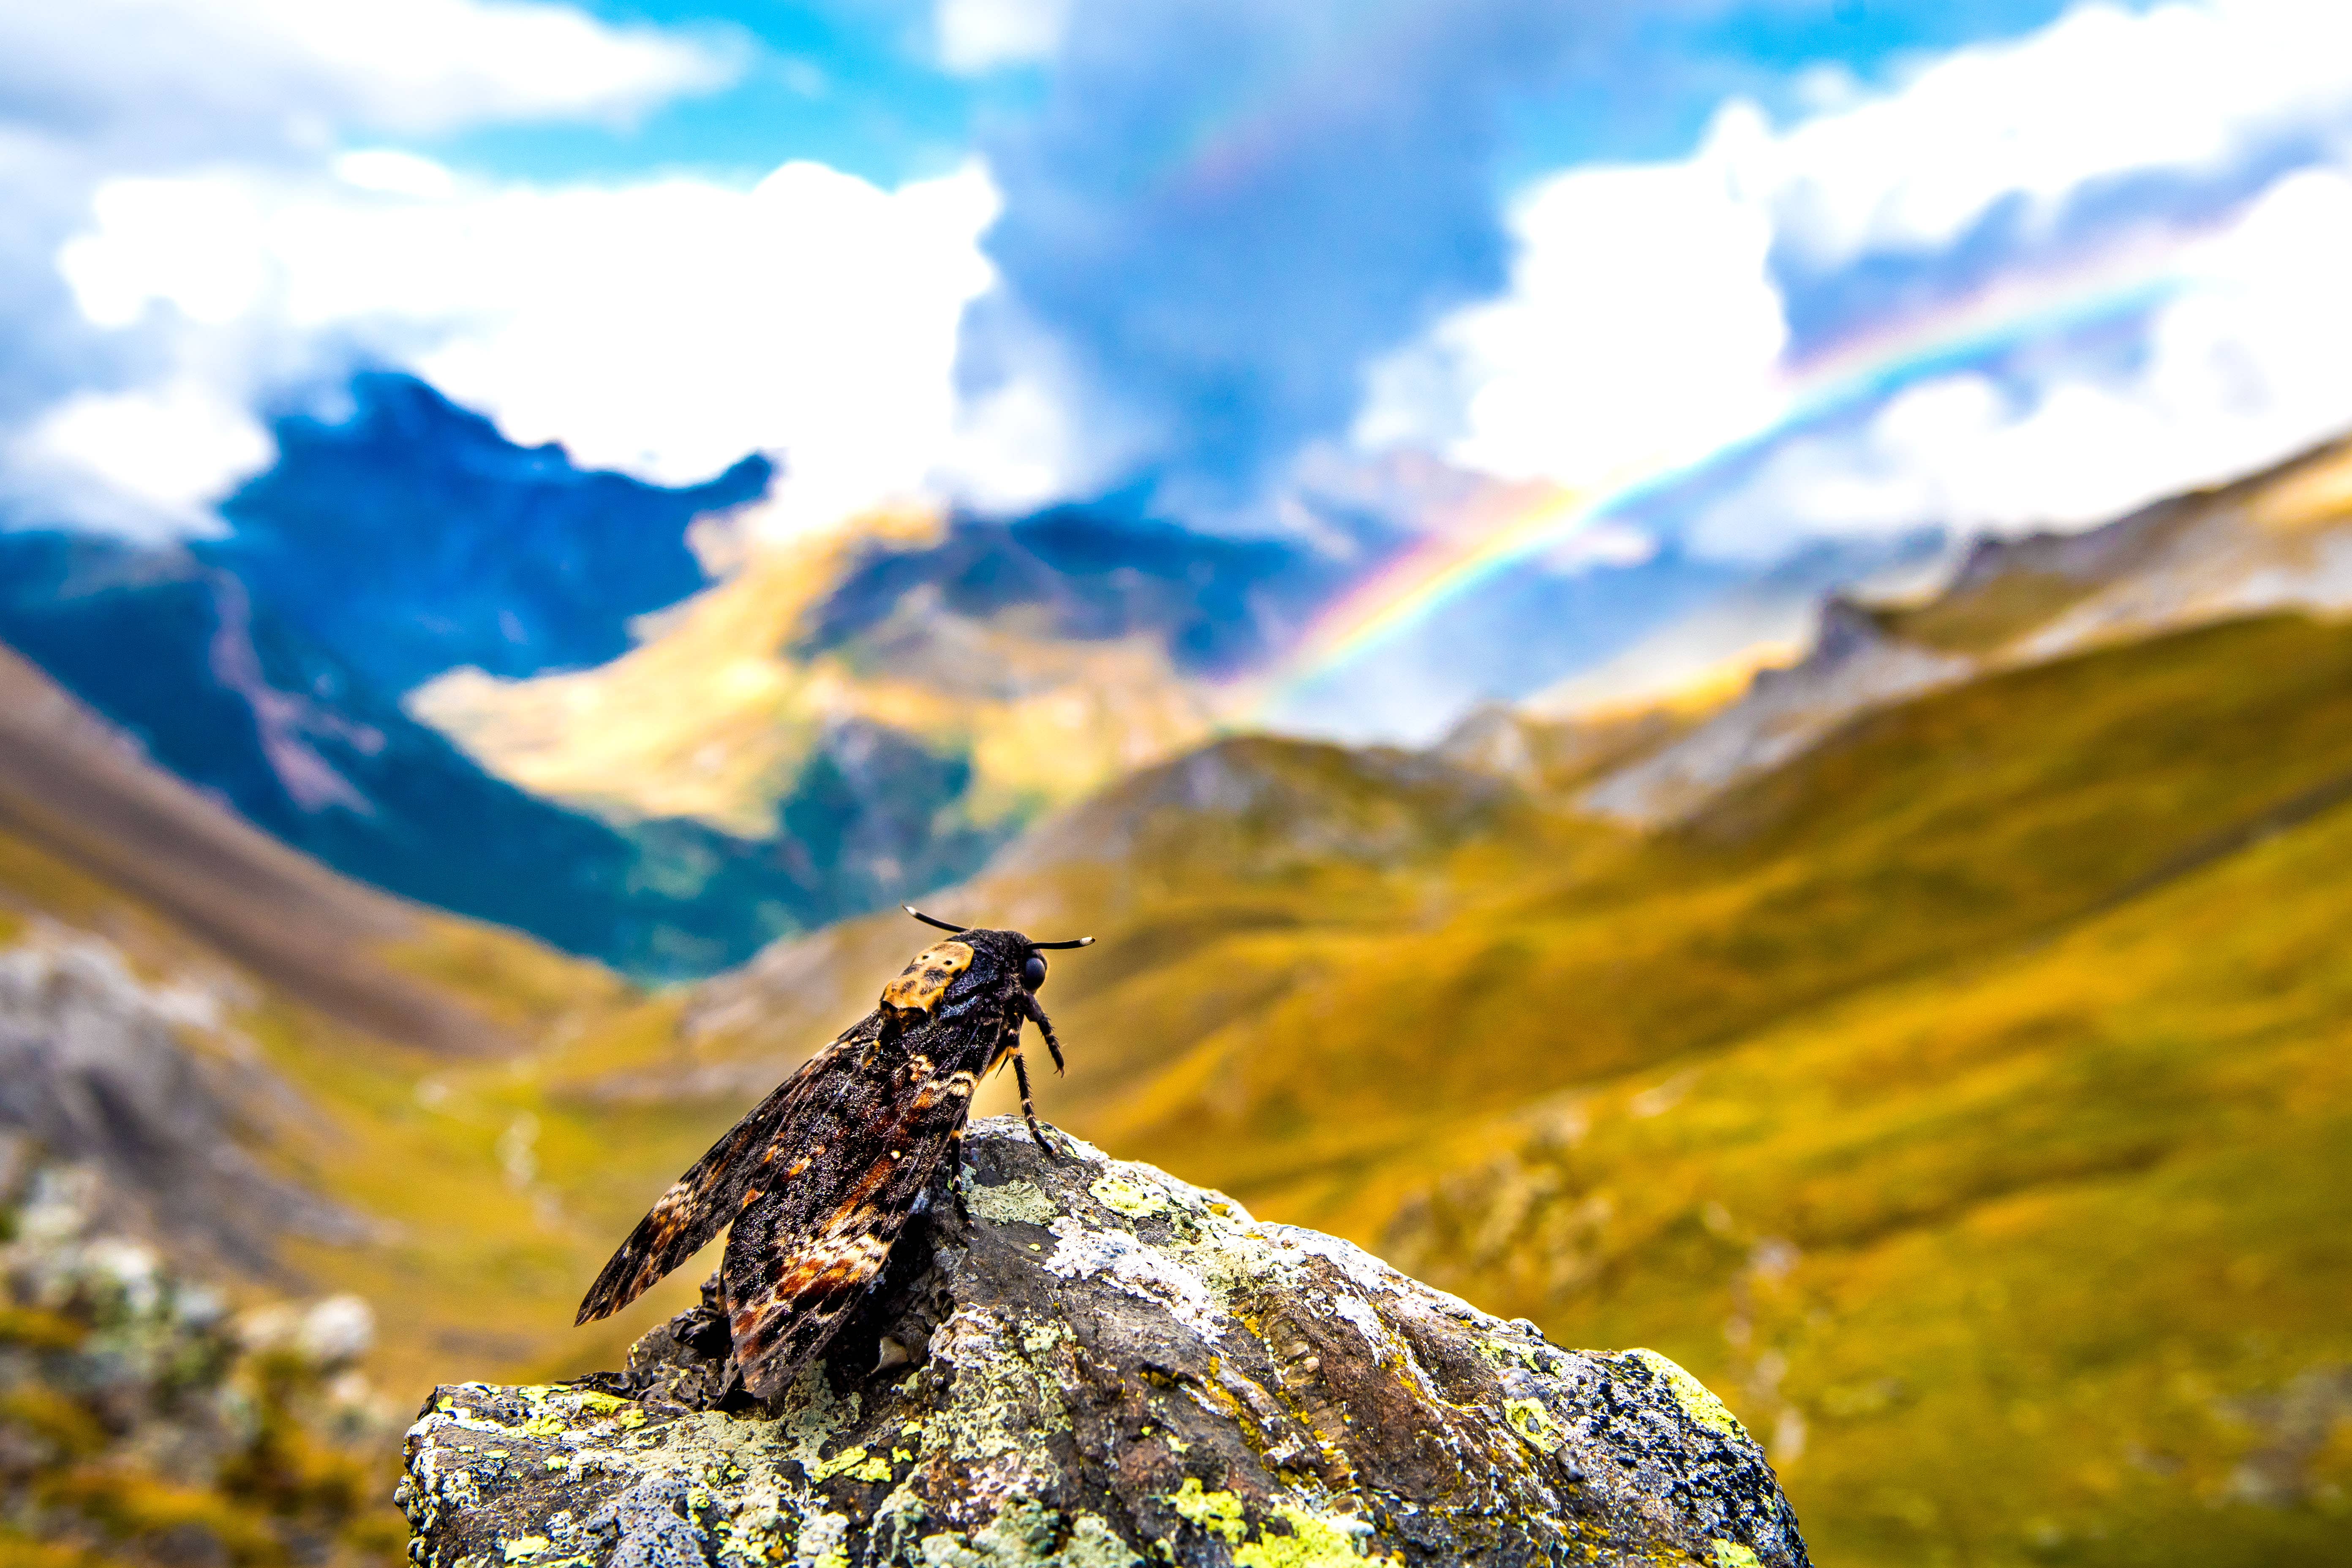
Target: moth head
x=1006, y=953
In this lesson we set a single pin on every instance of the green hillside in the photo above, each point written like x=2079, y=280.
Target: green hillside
x=1968, y=1102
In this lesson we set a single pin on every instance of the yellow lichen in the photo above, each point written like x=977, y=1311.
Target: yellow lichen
x=1700, y=1404
x=1217, y=1512
x=1134, y=1199
x=1532, y=1422
x=1012, y=1203
x=1316, y=1541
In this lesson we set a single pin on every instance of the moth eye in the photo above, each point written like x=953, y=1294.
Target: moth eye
x=1032, y=973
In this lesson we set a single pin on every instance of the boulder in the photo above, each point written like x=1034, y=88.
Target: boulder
x=1084, y=1361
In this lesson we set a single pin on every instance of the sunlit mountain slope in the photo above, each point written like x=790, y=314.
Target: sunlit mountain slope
x=726, y=710
x=1038, y=658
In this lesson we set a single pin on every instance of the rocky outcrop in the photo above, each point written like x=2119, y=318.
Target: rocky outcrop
x=1084, y=1361
x=152, y=1092
x=144, y=1422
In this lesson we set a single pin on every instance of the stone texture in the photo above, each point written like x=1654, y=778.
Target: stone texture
x=1090, y=1363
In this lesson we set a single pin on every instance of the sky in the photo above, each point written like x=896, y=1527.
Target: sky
x=1725, y=282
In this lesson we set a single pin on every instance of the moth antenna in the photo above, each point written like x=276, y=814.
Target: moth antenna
x=943, y=925
x=1082, y=942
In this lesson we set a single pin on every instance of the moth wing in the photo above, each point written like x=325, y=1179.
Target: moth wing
x=796, y=1265
x=683, y=1219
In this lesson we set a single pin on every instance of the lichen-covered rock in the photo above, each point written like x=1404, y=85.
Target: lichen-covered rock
x=142, y=1421
x=1086, y=1362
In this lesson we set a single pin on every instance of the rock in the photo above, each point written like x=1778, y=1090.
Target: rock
x=1086, y=1362
x=140, y=1422
x=153, y=1093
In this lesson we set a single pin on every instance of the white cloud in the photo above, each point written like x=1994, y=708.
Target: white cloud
x=300, y=69
x=2100, y=93
x=395, y=172
x=149, y=150
x=186, y=243
x=141, y=462
x=2245, y=367
x=1643, y=326
x=981, y=34
x=666, y=328
x=1639, y=319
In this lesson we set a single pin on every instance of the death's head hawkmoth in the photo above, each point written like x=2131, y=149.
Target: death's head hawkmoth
x=819, y=1179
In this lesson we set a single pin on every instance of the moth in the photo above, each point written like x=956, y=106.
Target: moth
x=820, y=1178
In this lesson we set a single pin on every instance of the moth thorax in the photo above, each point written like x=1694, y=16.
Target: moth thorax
x=922, y=983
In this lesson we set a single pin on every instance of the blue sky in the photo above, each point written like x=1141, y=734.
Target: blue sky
x=1786, y=276
x=861, y=85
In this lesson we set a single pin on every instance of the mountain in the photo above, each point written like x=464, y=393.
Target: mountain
x=74, y=788
x=657, y=727
x=411, y=537
x=620, y=717
x=2280, y=538
x=156, y=955
x=1034, y=661
x=241, y=704
x=282, y=1082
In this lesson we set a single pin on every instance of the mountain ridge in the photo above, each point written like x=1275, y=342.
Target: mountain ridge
x=2277, y=538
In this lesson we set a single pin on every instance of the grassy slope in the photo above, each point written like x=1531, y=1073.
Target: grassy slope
x=1968, y=1100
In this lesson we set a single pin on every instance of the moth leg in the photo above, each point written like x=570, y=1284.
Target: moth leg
x=1044, y=1026
x=1029, y=1112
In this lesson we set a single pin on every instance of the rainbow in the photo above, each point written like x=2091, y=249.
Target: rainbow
x=1456, y=559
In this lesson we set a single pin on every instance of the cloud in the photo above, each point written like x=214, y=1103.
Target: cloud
x=1641, y=323
x=1230, y=237
x=271, y=72
x=1968, y=248
x=169, y=132
x=2101, y=94
x=982, y=35
x=2244, y=366
x=665, y=328
x=140, y=462
x=1224, y=208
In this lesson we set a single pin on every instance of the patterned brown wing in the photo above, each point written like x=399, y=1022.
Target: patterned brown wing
x=798, y=1260
x=685, y=1218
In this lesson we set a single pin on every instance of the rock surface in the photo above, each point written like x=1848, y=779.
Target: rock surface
x=1086, y=1362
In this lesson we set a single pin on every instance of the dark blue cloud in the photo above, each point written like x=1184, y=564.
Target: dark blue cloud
x=1227, y=207
x=1224, y=210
